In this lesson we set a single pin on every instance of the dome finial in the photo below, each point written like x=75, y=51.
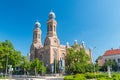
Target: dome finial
x=51, y=15
x=75, y=42
x=67, y=44
x=37, y=24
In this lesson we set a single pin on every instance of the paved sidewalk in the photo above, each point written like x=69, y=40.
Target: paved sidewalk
x=40, y=78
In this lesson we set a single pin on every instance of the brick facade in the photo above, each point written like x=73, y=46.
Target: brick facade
x=52, y=49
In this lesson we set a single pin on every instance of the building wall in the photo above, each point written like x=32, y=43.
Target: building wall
x=100, y=61
x=112, y=57
x=89, y=52
x=52, y=48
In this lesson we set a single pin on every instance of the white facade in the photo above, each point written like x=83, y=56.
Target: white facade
x=115, y=58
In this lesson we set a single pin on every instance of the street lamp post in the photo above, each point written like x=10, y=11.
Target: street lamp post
x=94, y=63
x=52, y=68
x=42, y=66
x=55, y=65
x=41, y=58
x=46, y=67
x=6, y=65
x=59, y=66
x=94, y=70
x=55, y=61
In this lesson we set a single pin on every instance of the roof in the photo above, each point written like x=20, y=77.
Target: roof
x=112, y=52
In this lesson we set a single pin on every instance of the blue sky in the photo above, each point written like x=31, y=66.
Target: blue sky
x=96, y=22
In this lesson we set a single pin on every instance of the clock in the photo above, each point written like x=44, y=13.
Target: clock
x=55, y=41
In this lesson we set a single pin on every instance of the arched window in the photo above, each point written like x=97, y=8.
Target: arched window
x=63, y=56
x=39, y=36
x=47, y=42
x=50, y=27
x=114, y=60
x=55, y=55
x=41, y=57
x=54, y=28
x=105, y=60
x=35, y=35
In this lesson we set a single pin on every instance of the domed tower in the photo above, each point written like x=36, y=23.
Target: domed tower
x=51, y=43
x=36, y=43
x=51, y=37
x=51, y=25
x=37, y=34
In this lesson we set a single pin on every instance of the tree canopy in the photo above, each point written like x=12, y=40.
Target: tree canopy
x=37, y=66
x=110, y=63
x=77, y=59
x=8, y=55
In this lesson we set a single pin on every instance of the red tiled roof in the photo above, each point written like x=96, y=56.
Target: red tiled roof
x=112, y=52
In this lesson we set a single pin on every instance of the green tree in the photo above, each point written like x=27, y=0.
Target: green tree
x=76, y=59
x=90, y=68
x=8, y=44
x=25, y=64
x=97, y=67
x=110, y=63
x=37, y=66
x=1, y=55
x=8, y=55
x=97, y=59
x=56, y=66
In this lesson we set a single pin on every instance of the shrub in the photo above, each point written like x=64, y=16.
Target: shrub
x=116, y=76
x=68, y=77
x=98, y=76
x=75, y=77
x=101, y=75
x=101, y=78
x=89, y=75
x=80, y=76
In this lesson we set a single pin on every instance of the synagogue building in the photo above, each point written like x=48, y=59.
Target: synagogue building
x=51, y=50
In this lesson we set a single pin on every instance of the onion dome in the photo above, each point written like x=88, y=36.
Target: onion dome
x=51, y=15
x=37, y=24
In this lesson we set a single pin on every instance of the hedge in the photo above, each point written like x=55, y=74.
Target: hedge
x=100, y=76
